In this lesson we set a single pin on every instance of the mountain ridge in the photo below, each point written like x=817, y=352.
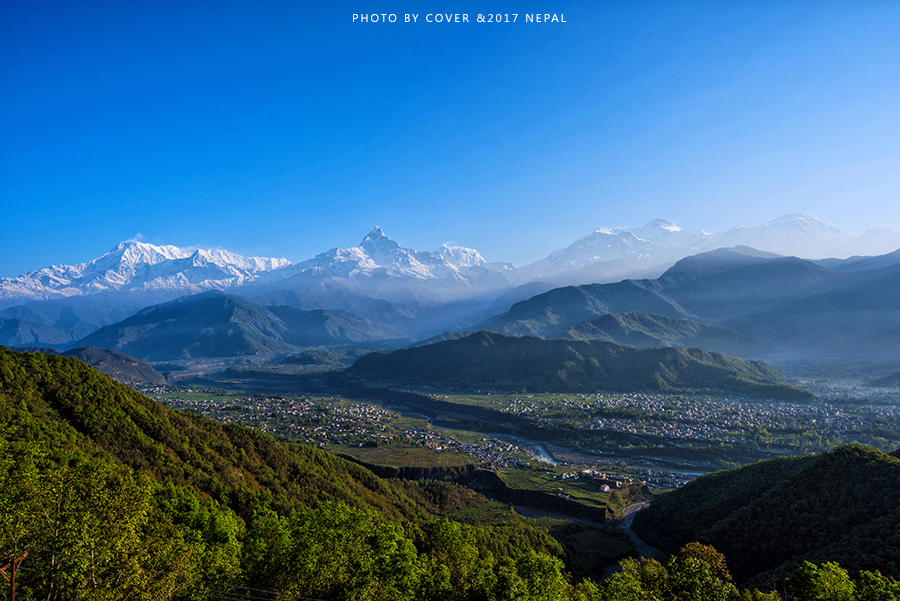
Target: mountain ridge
x=487, y=360
x=135, y=265
x=793, y=307
x=215, y=324
x=420, y=293
x=769, y=517
x=603, y=256
x=609, y=254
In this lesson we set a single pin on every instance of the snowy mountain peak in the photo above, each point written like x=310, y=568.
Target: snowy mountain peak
x=376, y=234
x=794, y=217
x=610, y=254
x=134, y=252
x=377, y=243
x=459, y=256
x=606, y=231
x=381, y=268
x=662, y=224
x=137, y=266
x=793, y=234
x=806, y=223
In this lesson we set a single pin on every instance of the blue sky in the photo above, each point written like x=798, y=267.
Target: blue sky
x=284, y=128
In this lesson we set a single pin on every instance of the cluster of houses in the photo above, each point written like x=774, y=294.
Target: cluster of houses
x=604, y=481
x=304, y=419
x=492, y=452
x=610, y=482
x=718, y=418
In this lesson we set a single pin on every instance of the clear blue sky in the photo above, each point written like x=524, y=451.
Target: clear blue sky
x=282, y=128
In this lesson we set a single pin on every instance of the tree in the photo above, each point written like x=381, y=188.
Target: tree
x=344, y=553
x=708, y=555
x=828, y=582
x=692, y=579
x=872, y=586
x=92, y=528
x=543, y=577
x=639, y=580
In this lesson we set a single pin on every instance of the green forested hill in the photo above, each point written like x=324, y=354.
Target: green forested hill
x=770, y=517
x=118, y=366
x=491, y=360
x=79, y=410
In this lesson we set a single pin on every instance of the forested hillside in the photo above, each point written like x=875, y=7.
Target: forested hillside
x=769, y=517
x=491, y=360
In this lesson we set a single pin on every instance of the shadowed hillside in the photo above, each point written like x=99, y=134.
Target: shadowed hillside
x=64, y=400
x=489, y=360
x=769, y=517
x=647, y=330
x=785, y=304
x=214, y=324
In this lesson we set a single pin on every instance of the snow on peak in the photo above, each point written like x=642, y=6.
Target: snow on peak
x=383, y=269
x=134, y=251
x=807, y=223
x=134, y=265
x=793, y=217
x=459, y=256
x=662, y=224
x=377, y=243
x=794, y=234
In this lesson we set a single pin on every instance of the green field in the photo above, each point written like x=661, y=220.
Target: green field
x=401, y=455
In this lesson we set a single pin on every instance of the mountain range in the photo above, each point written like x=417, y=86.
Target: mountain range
x=381, y=268
x=610, y=254
x=791, y=307
x=764, y=305
x=138, y=266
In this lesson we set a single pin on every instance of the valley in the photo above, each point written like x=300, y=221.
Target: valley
x=662, y=440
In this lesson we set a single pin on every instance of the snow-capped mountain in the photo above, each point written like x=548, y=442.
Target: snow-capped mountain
x=380, y=267
x=138, y=266
x=806, y=237
x=667, y=234
x=611, y=254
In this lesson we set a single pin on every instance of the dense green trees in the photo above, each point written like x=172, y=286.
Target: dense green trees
x=770, y=517
x=830, y=582
x=117, y=496
x=91, y=529
x=698, y=573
